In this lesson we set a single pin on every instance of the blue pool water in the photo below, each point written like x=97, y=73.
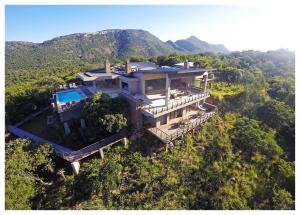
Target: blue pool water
x=68, y=96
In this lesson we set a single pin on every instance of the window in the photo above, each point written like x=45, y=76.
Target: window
x=155, y=86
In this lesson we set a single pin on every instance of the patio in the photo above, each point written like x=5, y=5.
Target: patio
x=179, y=126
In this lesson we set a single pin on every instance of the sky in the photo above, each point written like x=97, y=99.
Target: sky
x=237, y=27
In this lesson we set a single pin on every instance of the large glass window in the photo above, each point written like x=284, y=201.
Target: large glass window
x=155, y=86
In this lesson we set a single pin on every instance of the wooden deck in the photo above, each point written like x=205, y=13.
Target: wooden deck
x=67, y=153
x=59, y=150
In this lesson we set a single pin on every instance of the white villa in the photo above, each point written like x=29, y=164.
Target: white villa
x=167, y=101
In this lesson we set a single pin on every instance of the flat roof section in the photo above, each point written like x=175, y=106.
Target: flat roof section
x=173, y=70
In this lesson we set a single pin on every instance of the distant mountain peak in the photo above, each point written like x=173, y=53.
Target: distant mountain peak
x=194, y=45
x=94, y=47
x=193, y=37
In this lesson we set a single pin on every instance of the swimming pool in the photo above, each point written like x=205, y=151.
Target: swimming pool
x=68, y=96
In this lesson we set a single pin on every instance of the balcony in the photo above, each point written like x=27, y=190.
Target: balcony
x=176, y=102
x=177, y=127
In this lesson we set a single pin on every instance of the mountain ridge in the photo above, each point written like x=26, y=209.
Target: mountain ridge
x=94, y=47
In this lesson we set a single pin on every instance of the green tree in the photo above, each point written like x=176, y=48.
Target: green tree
x=24, y=164
x=281, y=117
x=250, y=137
x=105, y=115
x=112, y=123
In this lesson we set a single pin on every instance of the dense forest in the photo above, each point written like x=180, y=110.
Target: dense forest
x=243, y=158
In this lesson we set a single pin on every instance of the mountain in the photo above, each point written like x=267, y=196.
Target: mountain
x=84, y=47
x=95, y=47
x=195, y=46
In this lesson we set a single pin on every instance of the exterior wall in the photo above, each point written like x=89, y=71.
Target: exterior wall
x=134, y=87
x=88, y=83
x=143, y=77
x=136, y=117
x=133, y=84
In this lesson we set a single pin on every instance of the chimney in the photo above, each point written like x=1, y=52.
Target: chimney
x=128, y=67
x=186, y=64
x=107, y=66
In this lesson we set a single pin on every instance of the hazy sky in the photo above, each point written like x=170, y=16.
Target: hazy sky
x=237, y=27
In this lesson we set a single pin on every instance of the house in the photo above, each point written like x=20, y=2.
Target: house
x=167, y=101
x=101, y=80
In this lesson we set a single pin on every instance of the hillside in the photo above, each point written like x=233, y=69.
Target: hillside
x=80, y=48
x=195, y=46
x=84, y=48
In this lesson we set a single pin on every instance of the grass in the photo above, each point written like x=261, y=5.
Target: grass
x=75, y=140
x=39, y=127
x=220, y=89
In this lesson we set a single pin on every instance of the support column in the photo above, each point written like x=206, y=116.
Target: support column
x=167, y=89
x=75, y=166
x=67, y=129
x=95, y=86
x=157, y=122
x=184, y=112
x=101, y=153
x=168, y=118
x=82, y=123
x=125, y=142
x=205, y=82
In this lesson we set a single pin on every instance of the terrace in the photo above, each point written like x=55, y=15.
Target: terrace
x=179, y=99
x=109, y=87
x=179, y=126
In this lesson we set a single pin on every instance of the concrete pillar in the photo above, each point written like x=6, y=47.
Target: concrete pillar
x=183, y=113
x=168, y=118
x=143, y=85
x=125, y=142
x=82, y=123
x=205, y=82
x=67, y=129
x=157, y=122
x=167, y=89
x=75, y=166
x=101, y=153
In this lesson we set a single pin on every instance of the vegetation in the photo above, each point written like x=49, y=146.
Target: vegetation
x=24, y=167
x=220, y=89
x=243, y=158
x=104, y=115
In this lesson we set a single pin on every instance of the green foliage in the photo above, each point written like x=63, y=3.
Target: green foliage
x=105, y=115
x=220, y=89
x=233, y=161
x=113, y=123
x=281, y=117
x=23, y=163
x=96, y=176
x=79, y=49
x=283, y=89
x=282, y=200
x=249, y=137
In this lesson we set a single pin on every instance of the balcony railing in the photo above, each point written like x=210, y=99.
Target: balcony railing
x=167, y=138
x=181, y=101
